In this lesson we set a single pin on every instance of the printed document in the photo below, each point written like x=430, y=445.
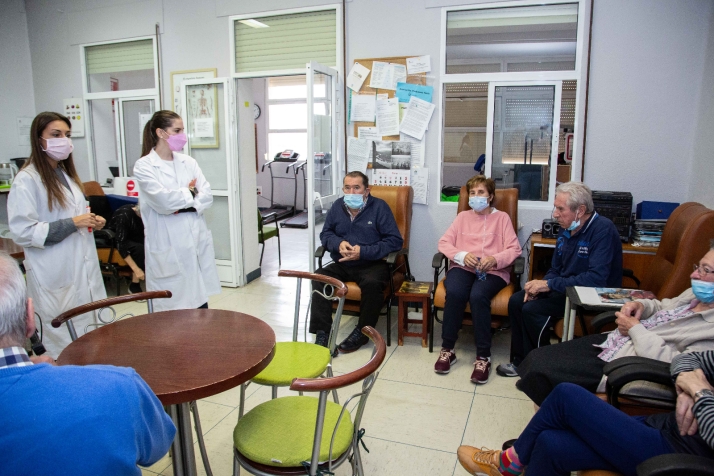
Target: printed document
x=369, y=133
x=388, y=117
x=405, y=91
x=358, y=152
x=420, y=64
x=203, y=128
x=420, y=182
x=363, y=108
x=417, y=148
x=399, y=76
x=357, y=75
x=417, y=118
x=382, y=75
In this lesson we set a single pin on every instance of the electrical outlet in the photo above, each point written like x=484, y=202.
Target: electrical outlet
x=260, y=190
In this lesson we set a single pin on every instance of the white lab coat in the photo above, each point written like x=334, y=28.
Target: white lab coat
x=179, y=247
x=60, y=276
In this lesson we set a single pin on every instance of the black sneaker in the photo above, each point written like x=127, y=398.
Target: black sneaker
x=353, y=342
x=321, y=338
x=135, y=288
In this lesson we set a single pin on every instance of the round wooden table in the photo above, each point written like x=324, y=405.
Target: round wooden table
x=183, y=355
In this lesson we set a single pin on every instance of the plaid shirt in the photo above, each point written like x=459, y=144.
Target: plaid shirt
x=352, y=217
x=14, y=357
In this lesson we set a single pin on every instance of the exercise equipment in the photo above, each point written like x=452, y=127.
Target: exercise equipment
x=281, y=211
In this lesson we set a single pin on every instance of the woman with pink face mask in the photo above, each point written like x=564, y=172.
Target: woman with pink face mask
x=47, y=214
x=174, y=195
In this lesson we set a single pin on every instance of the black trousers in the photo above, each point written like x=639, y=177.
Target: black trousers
x=462, y=287
x=530, y=321
x=372, y=278
x=136, y=251
x=575, y=361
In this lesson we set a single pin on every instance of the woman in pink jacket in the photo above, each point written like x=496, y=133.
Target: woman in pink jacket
x=481, y=246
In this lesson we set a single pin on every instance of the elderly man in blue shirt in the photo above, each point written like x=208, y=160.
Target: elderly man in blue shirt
x=359, y=232
x=588, y=252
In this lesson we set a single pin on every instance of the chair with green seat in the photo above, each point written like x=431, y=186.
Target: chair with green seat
x=296, y=359
x=308, y=435
x=266, y=232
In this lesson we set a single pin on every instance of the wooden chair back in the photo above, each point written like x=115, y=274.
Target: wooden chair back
x=102, y=303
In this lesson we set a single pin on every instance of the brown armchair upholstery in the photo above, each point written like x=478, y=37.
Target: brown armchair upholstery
x=684, y=241
x=399, y=200
x=505, y=200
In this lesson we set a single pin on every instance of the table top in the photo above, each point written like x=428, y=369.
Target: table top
x=572, y=294
x=9, y=246
x=183, y=355
x=538, y=240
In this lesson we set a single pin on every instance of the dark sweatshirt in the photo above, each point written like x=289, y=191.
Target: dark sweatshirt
x=591, y=258
x=373, y=229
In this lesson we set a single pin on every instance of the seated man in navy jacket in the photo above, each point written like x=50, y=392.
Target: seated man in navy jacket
x=588, y=253
x=359, y=232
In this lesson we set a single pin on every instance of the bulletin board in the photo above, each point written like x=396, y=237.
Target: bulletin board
x=419, y=78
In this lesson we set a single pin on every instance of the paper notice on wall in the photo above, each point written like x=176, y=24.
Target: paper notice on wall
x=402, y=110
x=390, y=177
x=382, y=75
x=357, y=75
x=382, y=96
x=417, y=118
x=368, y=133
x=363, y=108
x=419, y=64
x=23, y=130
x=388, y=117
x=405, y=91
x=417, y=148
x=203, y=127
x=399, y=76
x=420, y=183
x=358, y=153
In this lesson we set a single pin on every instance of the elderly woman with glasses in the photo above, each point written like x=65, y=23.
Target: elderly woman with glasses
x=648, y=328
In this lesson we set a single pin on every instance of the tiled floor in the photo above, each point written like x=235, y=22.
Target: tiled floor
x=414, y=420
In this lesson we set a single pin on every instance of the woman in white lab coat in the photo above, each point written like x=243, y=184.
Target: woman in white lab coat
x=174, y=195
x=47, y=213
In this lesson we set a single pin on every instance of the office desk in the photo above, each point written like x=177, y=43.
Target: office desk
x=635, y=258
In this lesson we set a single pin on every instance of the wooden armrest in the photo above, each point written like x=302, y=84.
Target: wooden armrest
x=332, y=383
x=340, y=287
x=93, y=306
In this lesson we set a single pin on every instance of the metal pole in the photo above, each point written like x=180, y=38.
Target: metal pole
x=176, y=456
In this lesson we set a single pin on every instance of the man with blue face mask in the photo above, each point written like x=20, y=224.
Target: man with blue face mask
x=588, y=253
x=359, y=232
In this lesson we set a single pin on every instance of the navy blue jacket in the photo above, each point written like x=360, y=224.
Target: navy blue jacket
x=591, y=258
x=373, y=229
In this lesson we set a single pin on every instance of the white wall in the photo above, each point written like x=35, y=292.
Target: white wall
x=647, y=68
x=650, y=112
x=702, y=170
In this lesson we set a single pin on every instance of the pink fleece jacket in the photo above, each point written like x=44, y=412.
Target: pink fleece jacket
x=483, y=235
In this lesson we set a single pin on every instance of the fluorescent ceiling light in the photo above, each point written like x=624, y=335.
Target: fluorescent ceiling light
x=253, y=23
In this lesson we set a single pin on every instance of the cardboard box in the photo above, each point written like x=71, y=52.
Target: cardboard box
x=655, y=210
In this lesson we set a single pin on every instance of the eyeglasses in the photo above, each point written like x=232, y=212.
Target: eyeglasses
x=703, y=271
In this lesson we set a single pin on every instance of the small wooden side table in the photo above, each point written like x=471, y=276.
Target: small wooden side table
x=414, y=292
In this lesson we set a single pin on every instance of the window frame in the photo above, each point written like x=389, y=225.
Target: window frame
x=579, y=75
x=285, y=72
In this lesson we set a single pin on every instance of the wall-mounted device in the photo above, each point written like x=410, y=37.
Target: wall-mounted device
x=550, y=228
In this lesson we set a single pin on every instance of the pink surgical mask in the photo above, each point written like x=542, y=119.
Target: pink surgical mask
x=59, y=148
x=177, y=141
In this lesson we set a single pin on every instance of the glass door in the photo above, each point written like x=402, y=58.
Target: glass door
x=523, y=130
x=324, y=163
x=207, y=124
x=134, y=113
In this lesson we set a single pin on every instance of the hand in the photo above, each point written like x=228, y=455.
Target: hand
x=139, y=274
x=192, y=183
x=633, y=309
x=488, y=263
x=345, y=248
x=42, y=359
x=686, y=422
x=101, y=222
x=471, y=260
x=352, y=255
x=533, y=288
x=692, y=382
x=86, y=221
x=625, y=323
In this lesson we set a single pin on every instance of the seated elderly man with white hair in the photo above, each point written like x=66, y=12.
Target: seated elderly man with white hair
x=588, y=253
x=88, y=420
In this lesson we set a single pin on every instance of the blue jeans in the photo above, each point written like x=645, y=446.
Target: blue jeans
x=462, y=287
x=575, y=430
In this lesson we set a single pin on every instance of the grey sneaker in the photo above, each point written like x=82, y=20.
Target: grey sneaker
x=507, y=370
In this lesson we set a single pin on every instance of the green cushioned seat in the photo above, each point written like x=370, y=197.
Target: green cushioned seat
x=294, y=360
x=280, y=432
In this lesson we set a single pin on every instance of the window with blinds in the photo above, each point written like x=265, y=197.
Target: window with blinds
x=285, y=42
x=121, y=66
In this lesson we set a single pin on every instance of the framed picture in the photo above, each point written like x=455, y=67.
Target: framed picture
x=201, y=116
x=178, y=77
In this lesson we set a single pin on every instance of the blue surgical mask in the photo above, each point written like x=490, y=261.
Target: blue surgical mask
x=478, y=203
x=354, y=200
x=703, y=290
x=574, y=224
